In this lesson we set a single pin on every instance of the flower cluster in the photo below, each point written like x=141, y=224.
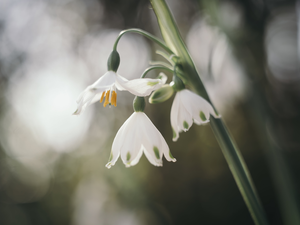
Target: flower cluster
x=138, y=135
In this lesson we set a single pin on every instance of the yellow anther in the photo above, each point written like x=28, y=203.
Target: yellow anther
x=102, y=96
x=114, y=98
x=106, y=99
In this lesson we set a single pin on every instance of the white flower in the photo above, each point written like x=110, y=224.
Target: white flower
x=187, y=108
x=138, y=135
x=105, y=87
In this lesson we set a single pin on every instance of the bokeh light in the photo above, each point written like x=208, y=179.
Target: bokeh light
x=224, y=78
x=52, y=163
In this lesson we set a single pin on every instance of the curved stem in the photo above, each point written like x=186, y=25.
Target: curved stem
x=147, y=35
x=159, y=63
x=155, y=67
x=167, y=57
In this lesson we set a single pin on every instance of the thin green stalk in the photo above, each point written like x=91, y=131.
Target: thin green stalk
x=159, y=63
x=166, y=56
x=230, y=151
x=154, y=68
x=146, y=34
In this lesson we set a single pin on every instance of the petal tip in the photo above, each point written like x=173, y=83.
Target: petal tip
x=108, y=165
x=76, y=113
x=127, y=165
x=175, y=139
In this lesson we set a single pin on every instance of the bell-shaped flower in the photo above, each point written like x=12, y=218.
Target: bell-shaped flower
x=187, y=108
x=138, y=135
x=104, y=89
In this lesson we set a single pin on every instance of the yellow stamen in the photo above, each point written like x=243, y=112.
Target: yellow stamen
x=114, y=98
x=106, y=99
x=102, y=96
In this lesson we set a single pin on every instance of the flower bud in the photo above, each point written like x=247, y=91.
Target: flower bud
x=113, y=61
x=139, y=104
x=162, y=94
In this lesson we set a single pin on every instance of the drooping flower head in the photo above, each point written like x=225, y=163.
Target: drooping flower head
x=187, y=107
x=104, y=89
x=136, y=136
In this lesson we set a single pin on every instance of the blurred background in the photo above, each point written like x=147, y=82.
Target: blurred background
x=52, y=164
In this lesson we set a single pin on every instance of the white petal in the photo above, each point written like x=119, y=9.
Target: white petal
x=93, y=92
x=152, y=159
x=131, y=149
x=181, y=118
x=174, y=116
x=154, y=143
x=108, y=79
x=84, y=101
x=96, y=98
x=137, y=158
x=139, y=87
x=122, y=79
x=151, y=141
x=196, y=105
x=118, y=142
x=163, y=77
x=185, y=119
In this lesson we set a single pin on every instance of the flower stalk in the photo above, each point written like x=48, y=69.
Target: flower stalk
x=230, y=151
x=145, y=34
x=155, y=68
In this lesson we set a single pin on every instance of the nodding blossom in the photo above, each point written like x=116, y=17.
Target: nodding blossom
x=136, y=136
x=189, y=108
x=104, y=89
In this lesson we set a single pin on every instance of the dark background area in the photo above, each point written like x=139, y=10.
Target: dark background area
x=52, y=164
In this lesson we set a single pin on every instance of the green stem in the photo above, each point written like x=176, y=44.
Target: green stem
x=159, y=63
x=239, y=170
x=146, y=34
x=230, y=151
x=166, y=56
x=155, y=67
